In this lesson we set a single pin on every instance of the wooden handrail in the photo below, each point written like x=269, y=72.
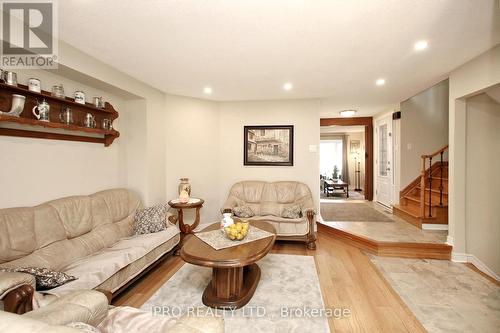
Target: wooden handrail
x=436, y=153
x=422, y=180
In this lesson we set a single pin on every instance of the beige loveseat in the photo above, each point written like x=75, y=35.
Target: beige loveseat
x=268, y=200
x=90, y=237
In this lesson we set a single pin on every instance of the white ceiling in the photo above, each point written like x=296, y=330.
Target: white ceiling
x=247, y=49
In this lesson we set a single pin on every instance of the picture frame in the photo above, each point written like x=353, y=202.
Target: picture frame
x=269, y=145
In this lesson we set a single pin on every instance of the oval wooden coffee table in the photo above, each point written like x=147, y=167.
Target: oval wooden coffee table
x=235, y=274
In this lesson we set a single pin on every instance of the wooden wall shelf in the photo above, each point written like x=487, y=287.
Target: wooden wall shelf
x=26, y=125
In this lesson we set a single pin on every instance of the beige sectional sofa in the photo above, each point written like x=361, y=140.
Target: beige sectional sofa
x=269, y=200
x=90, y=237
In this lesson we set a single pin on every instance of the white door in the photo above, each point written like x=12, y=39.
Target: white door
x=384, y=161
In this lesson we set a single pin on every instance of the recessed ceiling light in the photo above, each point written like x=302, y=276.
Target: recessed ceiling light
x=288, y=86
x=347, y=113
x=380, y=82
x=421, y=45
x=207, y=90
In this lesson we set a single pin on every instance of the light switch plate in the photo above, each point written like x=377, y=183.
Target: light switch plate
x=313, y=148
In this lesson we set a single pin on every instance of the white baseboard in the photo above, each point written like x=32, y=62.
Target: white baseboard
x=430, y=226
x=459, y=257
x=450, y=240
x=470, y=258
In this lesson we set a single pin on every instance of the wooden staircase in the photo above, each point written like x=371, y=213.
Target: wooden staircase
x=425, y=200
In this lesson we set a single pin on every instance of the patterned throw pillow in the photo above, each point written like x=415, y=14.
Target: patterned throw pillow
x=292, y=212
x=45, y=277
x=150, y=220
x=243, y=211
x=84, y=327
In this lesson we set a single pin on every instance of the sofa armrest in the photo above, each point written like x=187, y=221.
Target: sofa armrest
x=87, y=306
x=16, y=291
x=308, y=212
x=13, y=280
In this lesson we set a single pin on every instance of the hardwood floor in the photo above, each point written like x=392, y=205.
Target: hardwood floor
x=347, y=277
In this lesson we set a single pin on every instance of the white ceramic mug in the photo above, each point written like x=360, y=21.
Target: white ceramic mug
x=80, y=97
x=34, y=85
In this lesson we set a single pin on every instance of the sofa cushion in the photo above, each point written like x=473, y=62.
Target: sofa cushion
x=95, y=268
x=45, y=278
x=273, y=218
x=284, y=226
x=151, y=219
x=58, y=232
x=17, y=233
x=243, y=211
x=252, y=191
x=88, y=306
x=75, y=214
x=128, y=272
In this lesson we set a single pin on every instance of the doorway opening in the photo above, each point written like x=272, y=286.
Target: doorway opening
x=363, y=158
x=342, y=168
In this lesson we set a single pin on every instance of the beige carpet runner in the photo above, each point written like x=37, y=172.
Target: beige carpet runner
x=352, y=212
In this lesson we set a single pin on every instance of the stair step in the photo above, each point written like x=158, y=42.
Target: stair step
x=410, y=210
x=416, y=199
x=433, y=190
x=436, y=178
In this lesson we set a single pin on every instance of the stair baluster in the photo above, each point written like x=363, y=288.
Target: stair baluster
x=422, y=187
x=441, y=183
x=430, y=186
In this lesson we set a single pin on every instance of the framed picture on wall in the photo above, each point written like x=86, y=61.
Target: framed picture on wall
x=268, y=145
x=355, y=145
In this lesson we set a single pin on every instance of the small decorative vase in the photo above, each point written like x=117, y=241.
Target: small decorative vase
x=185, y=186
x=184, y=196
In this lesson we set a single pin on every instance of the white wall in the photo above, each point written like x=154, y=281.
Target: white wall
x=424, y=128
x=145, y=149
x=303, y=114
x=35, y=170
x=482, y=181
x=471, y=78
x=205, y=143
x=192, y=136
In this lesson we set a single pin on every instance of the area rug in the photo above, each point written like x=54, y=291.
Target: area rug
x=352, y=212
x=287, y=292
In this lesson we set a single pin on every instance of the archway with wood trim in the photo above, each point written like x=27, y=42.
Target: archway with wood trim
x=367, y=122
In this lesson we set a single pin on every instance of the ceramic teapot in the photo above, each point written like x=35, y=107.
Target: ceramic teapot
x=43, y=110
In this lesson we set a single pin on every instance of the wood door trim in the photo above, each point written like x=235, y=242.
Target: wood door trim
x=367, y=122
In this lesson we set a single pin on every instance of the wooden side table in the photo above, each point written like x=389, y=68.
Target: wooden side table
x=195, y=203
